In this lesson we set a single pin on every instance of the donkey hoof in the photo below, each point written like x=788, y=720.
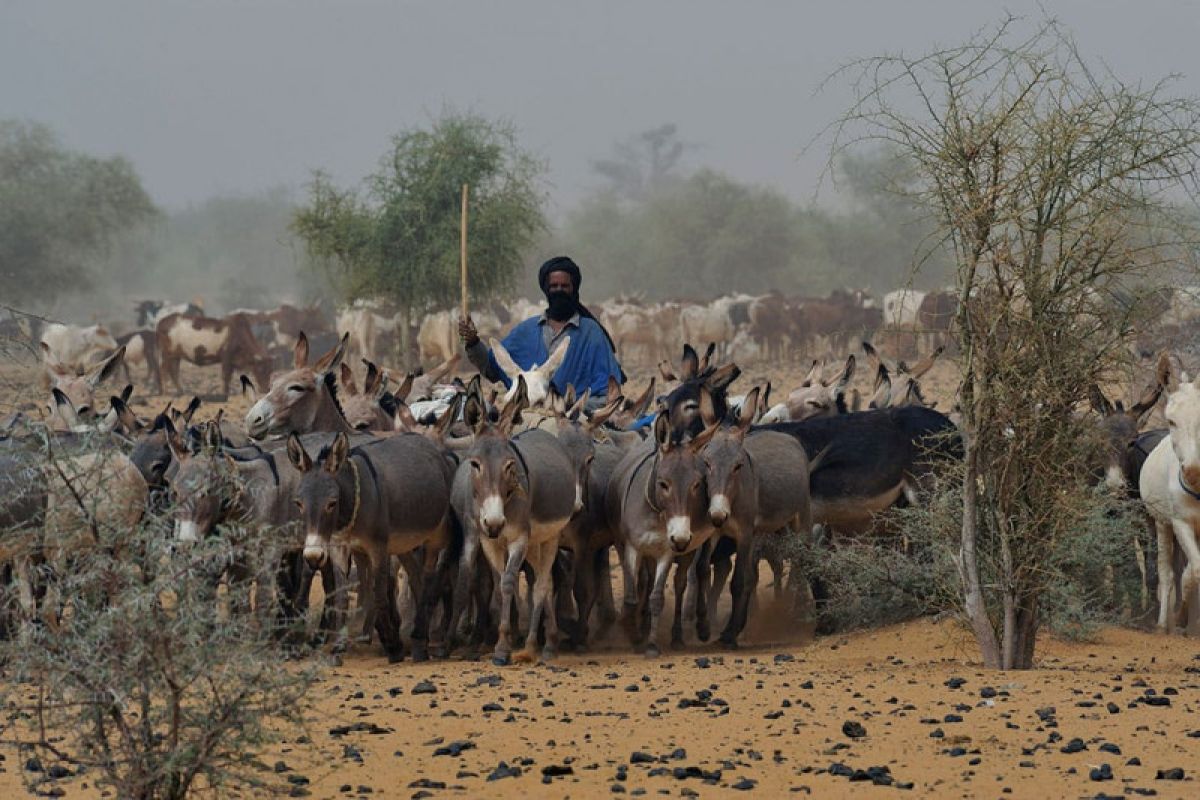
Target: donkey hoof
x=728, y=643
x=419, y=653
x=439, y=651
x=677, y=643
x=652, y=651
x=703, y=632
x=549, y=653
x=395, y=658
x=501, y=659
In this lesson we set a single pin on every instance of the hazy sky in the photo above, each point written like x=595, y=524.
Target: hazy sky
x=214, y=96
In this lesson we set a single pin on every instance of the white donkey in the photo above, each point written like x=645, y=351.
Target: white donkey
x=1170, y=487
x=537, y=379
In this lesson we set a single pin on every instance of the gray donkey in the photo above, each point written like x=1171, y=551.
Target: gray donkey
x=757, y=485
x=658, y=500
x=513, y=496
x=385, y=497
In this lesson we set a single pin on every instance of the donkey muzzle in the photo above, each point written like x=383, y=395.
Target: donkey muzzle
x=718, y=510
x=491, y=516
x=186, y=531
x=314, y=551
x=679, y=533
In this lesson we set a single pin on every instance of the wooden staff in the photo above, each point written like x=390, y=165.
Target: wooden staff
x=463, y=251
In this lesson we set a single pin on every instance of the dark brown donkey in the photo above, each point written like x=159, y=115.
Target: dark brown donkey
x=386, y=497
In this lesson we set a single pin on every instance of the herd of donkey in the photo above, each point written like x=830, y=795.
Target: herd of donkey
x=432, y=498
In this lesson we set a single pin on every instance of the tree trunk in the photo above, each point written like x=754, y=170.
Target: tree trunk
x=405, y=340
x=1028, y=622
x=968, y=562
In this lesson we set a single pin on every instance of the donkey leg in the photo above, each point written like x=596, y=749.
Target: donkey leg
x=630, y=562
x=1166, y=573
x=430, y=588
x=721, y=567
x=387, y=622
x=657, y=601
x=603, y=591
x=543, y=607
x=507, y=562
x=1185, y=536
x=683, y=566
x=742, y=588
x=701, y=571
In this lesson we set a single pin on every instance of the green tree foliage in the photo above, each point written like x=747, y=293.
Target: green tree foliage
x=399, y=242
x=60, y=212
x=657, y=229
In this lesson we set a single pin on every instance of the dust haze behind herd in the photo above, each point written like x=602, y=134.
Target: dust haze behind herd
x=225, y=109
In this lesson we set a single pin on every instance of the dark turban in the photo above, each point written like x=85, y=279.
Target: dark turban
x=567, y=265
x=560, y=264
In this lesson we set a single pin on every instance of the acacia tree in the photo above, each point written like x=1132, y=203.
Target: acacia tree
x=399, y=243
x=1053, y=184
x=60, y=211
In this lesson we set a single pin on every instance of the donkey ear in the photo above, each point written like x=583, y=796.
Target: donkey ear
x=872, y=354
x=504, y=360
x=570, y=397
x=348, y=380
x=442, y=428
x=212, y=437
x=191, y=409
x=106, y=368
x=297, y=454
x=719, y=381
x=300, y=352
x=474, y=413
x=662, y=432
x=749, y=409
x=554, y=401
x=708, y=354
x=333, y=358
x=249, y=390
x=403, y=419
x=705, y=436
x=1147, y=401
x=556, y=358
x=689, y=365
x=601, y=415
x=405, y=387
x=847, y=372
x=640, y=405
x=613, y=388
x=129, y=421
x=881, y=376
x=1099, y=402
x=926, y=364
x=374, y=379
x=882, y=397
x=667, y=373
x=65, y=408
x=814, y=374
x=339, y=451
x=577, y=407
x=1165, y=373
x=708, y=411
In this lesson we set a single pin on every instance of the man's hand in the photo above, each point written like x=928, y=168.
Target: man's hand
x=467, y=332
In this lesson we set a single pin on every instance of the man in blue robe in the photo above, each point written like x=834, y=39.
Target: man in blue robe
x=591, y=357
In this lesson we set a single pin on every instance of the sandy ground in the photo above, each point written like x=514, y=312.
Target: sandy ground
x=771, y=718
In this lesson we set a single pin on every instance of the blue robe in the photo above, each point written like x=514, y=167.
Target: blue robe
x=588, y=364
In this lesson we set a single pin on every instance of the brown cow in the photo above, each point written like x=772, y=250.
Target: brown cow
x=935, y=317
x=204, y=341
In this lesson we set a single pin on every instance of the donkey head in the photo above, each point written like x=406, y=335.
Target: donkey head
x=325, y=505
x=362, y=409
x=1119, y=427
x=204, y=484
x=1183, y=421
x=631, y=410
x=725, y=458
x=499, y=484
x=896, y=384
x=677, y=489
x=298, y=396
x=576, y=434
x=77, y=386
x=683, y=403
x=819, y=396
x=537, y=379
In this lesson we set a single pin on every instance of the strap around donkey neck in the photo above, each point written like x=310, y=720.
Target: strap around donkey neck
x=357, y=498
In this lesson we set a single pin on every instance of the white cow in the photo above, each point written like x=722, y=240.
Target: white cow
x=73, y=346
x=901, y=306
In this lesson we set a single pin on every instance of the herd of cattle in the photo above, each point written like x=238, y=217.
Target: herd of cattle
x=459, y=489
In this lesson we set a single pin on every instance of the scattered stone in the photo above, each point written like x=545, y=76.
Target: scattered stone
x=557, y=770
x=853, y=729
x=987, y=692
x=424, y=687
x=359, y=727
x=1101, y=773
x=503, y=770
x=454, y=749
x=1074, y=746
x=1175, y=774
x=745, y=784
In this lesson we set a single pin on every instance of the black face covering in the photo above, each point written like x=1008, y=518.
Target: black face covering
x=562, y=306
